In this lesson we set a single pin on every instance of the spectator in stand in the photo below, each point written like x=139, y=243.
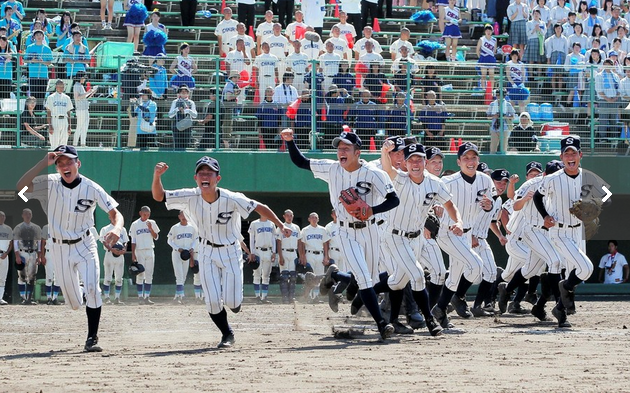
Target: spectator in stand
x=314, y=11
x=337, y=102
x=624, y=91
x=283, y=95
x=369, y=12
x=267, y=66
x=567, y=27
x=231, y=91
x=599, y=34
x=61, y=44
x=62, y=31
x=592, y=21
x=582, y=12
x=235, y=63
x=559, y=13
x=226, y=29
x=556, y=49
x=545, y=16
x=297, y=64
x=578, y=36
x=451, y=33
x=365, y=115
x=516, y=77
x=329, y=64
x=596, y=46
x=285, y=11
x=49, y=28
x=14, y=28
x=183, y=66
x=501, y=12
x=18, y=10
x=146, y=111
x=523, y=138
x=406, y=59
x=616, y=47
x=264, y=30
x=518, y=13
x=344, y=79
x=594, y=66
x=606, y=12
x=134, y=21
x=76, y=55
x=246, y=13
x=291, y=28
x=6, y=68
x=248, y=41
x=351, y=13
x=82, y=106
x=312, y=48
x=396, y=123
x=30, y=39
x=302, y=124
x=268, y=114
x=370, y=57
x=486, y=52
x=501, y=125
x=607, y=84
x=109, y=6
x=39, y=57
x=622, y=31
x=433, y=117
x=613, y=267
x=279, y=47
x=188, y=11
x=401, y=78
x=340, y=45
x=375, y=81
x=154, y=25
x=431, y=82
x=33, y=131
x=182, y=109
x=359, y=46
x=158, y=82
x=403, y=41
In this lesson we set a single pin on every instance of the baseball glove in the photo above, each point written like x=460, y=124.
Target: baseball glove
x=587, y=209
x=184, y=255
x=354, y=205
x=591, y=228
x=256, y=263
x=432, y=224
x=21, y=266
x=195, y=267
x=302, y=269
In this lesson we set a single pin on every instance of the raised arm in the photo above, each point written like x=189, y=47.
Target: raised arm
x=157, y=189
x=296, y=155
x=386, y=162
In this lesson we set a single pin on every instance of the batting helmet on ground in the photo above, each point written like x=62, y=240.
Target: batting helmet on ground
x=135, y=269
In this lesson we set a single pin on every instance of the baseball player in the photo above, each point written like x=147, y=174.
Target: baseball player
x=279, y=47
x=217, y=213
x=359, y=239
x=472, y=192
x=52, y=289
x=113, y=263
x=143, y=233
x=329, y=64
x=287, y=253
x=183, y=239
x=267, y=66
x=26, y=238
x=488, y=220
x=73, y=199
x=313, y=249
x=262, y=242
x=6, y=245
x=264, y=30
x=297, y=62
x=226, y=29
x=58, y=107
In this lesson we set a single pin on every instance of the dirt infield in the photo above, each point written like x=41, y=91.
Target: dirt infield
x=280, y=348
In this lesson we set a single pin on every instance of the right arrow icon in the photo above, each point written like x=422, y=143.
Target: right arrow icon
x=608, y=194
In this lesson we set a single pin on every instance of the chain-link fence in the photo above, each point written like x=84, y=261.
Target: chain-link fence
x=237, y=103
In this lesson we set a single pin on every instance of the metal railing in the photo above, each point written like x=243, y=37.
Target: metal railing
x=441, y=103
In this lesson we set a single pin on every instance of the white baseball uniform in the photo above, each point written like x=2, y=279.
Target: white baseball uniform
x=113, y=264
x=311, y=48
x=247, y=41
x=6, y=236
x=396, y=45
x=341, y=45
x=290, y=30
x=185, y=237
x=50, y=266
x=480, y=230
x=141, y=236
x=279, y=47
x=334, y=246
x=264, y=30
x=298, y=63
x=288, y=246
x=226, y=29
x=59, y=104
x=262, y=242
x=518, y=251
x=219, y=253
x=329, y=62
x=314, y=239
x=26, y=238
x=266, y=64
x=359, y=46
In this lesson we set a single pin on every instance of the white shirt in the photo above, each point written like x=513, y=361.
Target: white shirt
x=264, y=30
x=59, y=104
x=351, y=6
x=311, y=48
x=183, y=236
x=226, y=29
x=314, y=11
x=346, y=28
x=341, y=46
x=26, y=236
x=266, y=64
x=298, y=63
x=560, y=193
x=262, y=234
x=314, y=237
x=284, y=94
x=247, y=41
x=124, y=239
x=332, y=228
x=359, y=46
x=291, y=242
x=278, y=45
x=329, y=62
x=482, y=225
x=369, y=58
x=290, y=30
x=236, y=60
x=467, y=197
x=396, y=45
x=140, y=234
x=614, y=268
x=6, y=235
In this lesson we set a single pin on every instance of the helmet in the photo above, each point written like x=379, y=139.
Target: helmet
x=184, y=255
x=135, y=268
x=195, y=268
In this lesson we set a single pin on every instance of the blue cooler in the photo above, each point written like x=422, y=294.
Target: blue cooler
x=546, y=112
x=534, y=111
x=550, y=143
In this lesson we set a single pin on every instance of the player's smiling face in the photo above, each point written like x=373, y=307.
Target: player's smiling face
x=501, y=186
x=571, y=160
x=68, y=168
x=532, y=174
x=207, y=179
x=468, y=163
x=435, y=165
x=348, y=156
x=415, y=166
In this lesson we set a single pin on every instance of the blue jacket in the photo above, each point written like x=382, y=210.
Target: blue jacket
x=146, y=111
x=397, y=119
x=268, y=114
x=344, y=81
x=366, y=116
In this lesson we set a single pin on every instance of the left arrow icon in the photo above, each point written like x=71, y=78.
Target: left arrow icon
x=21, y=194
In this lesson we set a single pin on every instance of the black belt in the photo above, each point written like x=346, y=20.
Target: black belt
x=380, y=222
x=267, y=76
x=569, y=226
x=409, y=235
x=27, y=251
x=289, y=249
x=314, y=252
x=297, y=74
x=358, y=224
x=72, y=241
x=466, y=230
x=209, y=243
x=263, y=248
x=60, y=117
x=335, y=249
x=541, y=227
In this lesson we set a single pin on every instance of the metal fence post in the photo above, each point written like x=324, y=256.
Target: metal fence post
x=217, y=104
x=592, y=111
x=408, y=100
x=119, y=105
x=313, y=104
x=18, y=95
x=501, y=103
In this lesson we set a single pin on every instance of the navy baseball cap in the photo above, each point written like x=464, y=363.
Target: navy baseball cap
x=66, y=150
x=533, y=165
x=414, y=150
x=553, y=166
x=466, y=147
x=500, y=175
x=209, y=162
x=410, y=139
x=570, y=142
x=349, y=138
x=433, y=151
x=399, y=143
x=483, y=167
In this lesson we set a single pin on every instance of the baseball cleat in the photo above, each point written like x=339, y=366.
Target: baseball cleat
x=516, y=308
x=118, y=302
x=440, y=316
x=49, y=302
x=141, y=301
x=461, y=307
x=265, y=301
x=450, y=308
x=148, y=301
x=226, y=341
x=480, y=312
x=531, y=298
x=561, y=316
x=540, y=313
x=568, y=298
x=416, y=321
x=434, y=328
x=333, y=301
x=3, y=302
x=327, y=282
x=504, y=297
x=385, y=329
x=236, y=310
x=91, y=345
x=399, y=328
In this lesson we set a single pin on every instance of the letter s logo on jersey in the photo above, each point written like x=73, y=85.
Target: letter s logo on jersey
x=363, y=187
x=223, y=218
x=83, y=205
x=480, y=194
x=428, y=199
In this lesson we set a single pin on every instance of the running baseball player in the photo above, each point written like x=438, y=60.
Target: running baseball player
x=113, y=263
x=287, y=253
x=58, y=107
x=6, y=245
x=52, y=289
x=262, y=242
x=358, y=234
x=183, y=239
x=313, y=249
x=471, y=192
x=73, y=251
x=143, y=234
x=26, y=239
x=218, y=214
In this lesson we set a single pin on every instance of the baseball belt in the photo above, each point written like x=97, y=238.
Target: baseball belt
x=409, y=235
x=335, y=249
x=357, y=224
x=60, y=117
x=30, y=250
x=541, y=227
x=569, y=226
x=263, y=248
x=466, y=230
x=209, y=243
x=314, y=252
x=289, y=249
x=267, y=76
x=72, y=241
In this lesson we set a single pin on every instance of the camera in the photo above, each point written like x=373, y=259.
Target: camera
x=180, y=104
